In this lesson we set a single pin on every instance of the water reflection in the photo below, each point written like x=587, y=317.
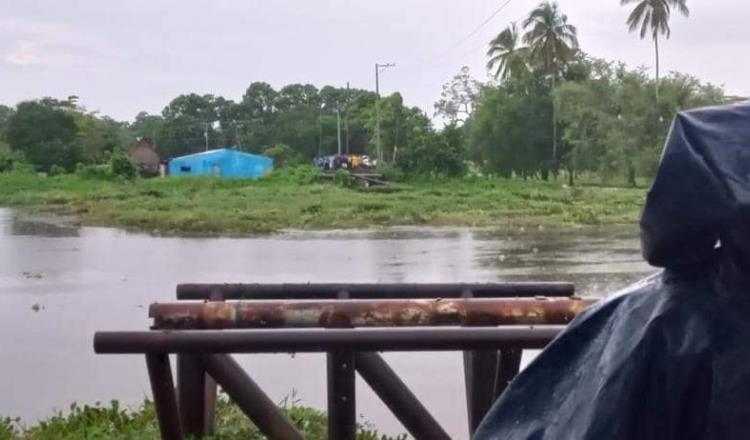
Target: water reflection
x=90, y=279
x=14, y=223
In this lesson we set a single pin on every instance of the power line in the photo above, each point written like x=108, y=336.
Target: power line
x=480, y=27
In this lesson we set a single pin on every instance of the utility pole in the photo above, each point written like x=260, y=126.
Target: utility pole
x=205, y=135
x=237, y=136
x=338, y=128
x=346, y=118
x=320, y=132
x=378, y=69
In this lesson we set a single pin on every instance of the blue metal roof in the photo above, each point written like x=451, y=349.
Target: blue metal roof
x=223, y=162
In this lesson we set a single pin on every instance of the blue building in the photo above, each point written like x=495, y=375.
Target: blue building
x=222, y=163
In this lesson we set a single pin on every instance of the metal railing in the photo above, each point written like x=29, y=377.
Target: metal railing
x=491, y=323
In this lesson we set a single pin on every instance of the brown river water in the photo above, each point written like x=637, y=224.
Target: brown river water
x=59, y=284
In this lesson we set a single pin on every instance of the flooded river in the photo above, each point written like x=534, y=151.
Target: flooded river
x=59, y=284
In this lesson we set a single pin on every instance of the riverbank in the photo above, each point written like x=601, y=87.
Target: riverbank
x=114, y=422
x=296, y=199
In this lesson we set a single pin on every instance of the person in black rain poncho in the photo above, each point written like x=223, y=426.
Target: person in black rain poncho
x=669, y=358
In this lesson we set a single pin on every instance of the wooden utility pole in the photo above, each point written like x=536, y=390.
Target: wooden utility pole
x=338, y=128
x=379, y=68
x=346, y=118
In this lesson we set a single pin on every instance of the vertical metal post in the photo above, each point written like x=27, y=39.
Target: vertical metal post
x=508, y=367
x=480, y=371
x=195, y=412
x=342, y=412
x=342, y=407
x=209, y=408
x=165, y=401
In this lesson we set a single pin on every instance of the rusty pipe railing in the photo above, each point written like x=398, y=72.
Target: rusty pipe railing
x=367, y=313
x=370, y=291
x=322, y=340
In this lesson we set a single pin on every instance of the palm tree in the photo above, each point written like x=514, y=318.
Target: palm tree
x=552, y=42
x=507, y=56
x=653, y=15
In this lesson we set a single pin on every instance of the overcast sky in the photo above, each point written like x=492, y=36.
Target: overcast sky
x=121, y=57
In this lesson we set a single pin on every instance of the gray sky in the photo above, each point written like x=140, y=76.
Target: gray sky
x=126, y=56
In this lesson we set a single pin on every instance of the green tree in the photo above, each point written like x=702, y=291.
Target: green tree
x=552, y=42
x=5, y=114
x=509, y=131
x=612, y=123
x=458, y=97
x=653, y=16
x=147, y=126
x=98, y=137
x=190, y=125
x=45, y=131
x=507, y=56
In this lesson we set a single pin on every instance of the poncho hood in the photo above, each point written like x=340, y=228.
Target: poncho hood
x=702, y=186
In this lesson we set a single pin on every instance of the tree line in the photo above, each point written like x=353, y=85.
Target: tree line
x=292, y=124
x=549, y=109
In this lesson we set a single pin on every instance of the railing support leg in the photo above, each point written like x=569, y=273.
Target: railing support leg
x=165, y=401
x=508, y=367
x=398, y=397
x=249, y=397
x=195, y=396
x=342, y=412
x=480, y=369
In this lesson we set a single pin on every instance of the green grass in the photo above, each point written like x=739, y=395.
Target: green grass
x=116, y=423
x=295, y=199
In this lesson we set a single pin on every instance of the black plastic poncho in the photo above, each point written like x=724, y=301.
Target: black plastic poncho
x=669, y=358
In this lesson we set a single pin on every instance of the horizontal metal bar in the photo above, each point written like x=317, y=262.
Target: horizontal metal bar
x=320, y=340
x=367, y=313
x=370, y=291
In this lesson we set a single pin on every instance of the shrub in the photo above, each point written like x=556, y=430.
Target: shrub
x=283, y=155
x=9, y=159
x=121, y=166
x=299, y=175
x=101, y=172
x=343, y=178
x=56, y=170
x=391, y=173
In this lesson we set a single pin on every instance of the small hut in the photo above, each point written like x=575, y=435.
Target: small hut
x=145, y=158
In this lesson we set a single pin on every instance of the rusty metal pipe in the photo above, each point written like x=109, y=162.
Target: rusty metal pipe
x=369, y=291
x=322, y=340
x=366, y=313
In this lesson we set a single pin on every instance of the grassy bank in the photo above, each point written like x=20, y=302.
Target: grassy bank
x=116, y=423
x=296, y=199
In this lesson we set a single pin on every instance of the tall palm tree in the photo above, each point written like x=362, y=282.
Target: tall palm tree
x=552, y=42
x=507, y=56
x=653, y=15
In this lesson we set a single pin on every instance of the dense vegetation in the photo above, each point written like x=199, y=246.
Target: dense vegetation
x=551, y=109
x=116, y=423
